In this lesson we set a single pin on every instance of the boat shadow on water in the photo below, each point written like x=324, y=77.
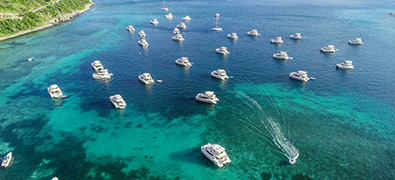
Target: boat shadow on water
x=192, y=156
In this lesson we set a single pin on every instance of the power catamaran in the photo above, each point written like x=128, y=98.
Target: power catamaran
x=329, y=49
x=282, y=56
x=186, y=18
x=253, y=32
x=118, y=101
x=207, y=97
x=233, y=36
x=176, y=31
x=345, y=65
x=220, y=74
x=295, y=36
x=216, y=28
x=55, y=92
x=143, y=43
x=169, y=16
x=154, y=22
x=278, y=40
x=102, y=74
x=300, y=75
x=177, y=37
x=6, y=160
x=356, y=41
x=164, y=8
x=130, y=28
x=216, y=154
x=96, y=65
x=183, y=61
x=146, y=78
x=222, y=50
x=182, y=26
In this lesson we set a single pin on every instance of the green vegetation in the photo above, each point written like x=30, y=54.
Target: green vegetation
x=37, y=13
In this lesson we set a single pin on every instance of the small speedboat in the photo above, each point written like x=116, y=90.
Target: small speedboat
x=216, y=28
x=154, y=22
x=207, y=97
x=6, y=160
x=345, y=65
x=293, y=160
x=278, y=40
x=96, y=65
x=130, y=28
x=295, y=36
x=220, y=74
x=186, y=18
x=329, y=49
x=55, y=92
x=216, y=154
x=176, y=31
x=282, y=55
x=183, y=61
x=233, y=36
x=356, y=41
x=102, y=74
x=142, y=34
x=164, y=8
x=222, y=50
x=182, y=26
x=146, y=78
x=54, y=178
x=253, y=32
x=300, y=75
x=143, y=43
x=118, y=101
x=177, y=37
x=169, y=16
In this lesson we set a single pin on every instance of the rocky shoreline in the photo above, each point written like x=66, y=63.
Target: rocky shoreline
x=53, y=22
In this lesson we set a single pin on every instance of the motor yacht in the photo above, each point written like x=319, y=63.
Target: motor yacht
x=182, y=26
x=96, y=65
x=142, y=34
x=356, y=41
x=329, y=49
x=295, y=36
x=176, y=31
x=253, y=32
x=216, y=28
x=177, y=37
x=278, y=40
x=345, y=65
x=220, y=74
x=154, y=22
x=183, y=61
x=146, y=78
x=55, y=92
x=130, y=28
x=186, y=18
x=5, y=161
x=222, y=50
x=216, y=154
x=143, y=43
x=282, y=55
x=102, y=74
x=233, y=36
x=118, y=101
x=207, y=97
x=169, y=16
x=300, y=75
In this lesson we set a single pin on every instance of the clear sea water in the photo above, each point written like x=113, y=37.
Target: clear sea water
x=342, y=123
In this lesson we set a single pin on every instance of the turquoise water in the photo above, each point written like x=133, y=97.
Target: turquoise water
x=342, y=123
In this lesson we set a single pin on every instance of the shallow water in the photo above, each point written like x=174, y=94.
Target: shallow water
x=342, y=123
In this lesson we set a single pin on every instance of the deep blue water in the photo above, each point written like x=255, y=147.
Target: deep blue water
x=342, y=123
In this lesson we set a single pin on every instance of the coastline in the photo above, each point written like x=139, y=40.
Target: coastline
x=54, y=22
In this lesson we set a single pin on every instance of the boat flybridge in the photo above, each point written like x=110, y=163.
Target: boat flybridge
x=253, y=32
x=118, y=101
x=55, y=92
x=102, y=74
x=300, y=75
x=278, y=40
x=329, y=49
x=169, y=16
x=146, y=78
x=295, y=36
x=282, y=56
x=143, y=43
x=96, y=65
x=130, y=28
x=177, y=37
x=5, y=161
x=182, y=26
x=164, y=8
x=183, y=61
x=345, y=65
x=186, y=18
x=207, y=97
x=356, y=41
x=216, y=154
x=142, y=34
x=233, y=36
x=222, y=50
x=154, y=22
x=216, y=28
x=176, y=31
x=220, y=74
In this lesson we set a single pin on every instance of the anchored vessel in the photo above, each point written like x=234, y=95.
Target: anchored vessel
x=55, y=92
x=222, y=50
x=295, y=36
x=143, y=43
x=176, y=31
x=253, y=32
x=216, y=154
x=118, y=101
x=216, y=28
x=102, y=74
x=130, y=28
x=142, y=34
x=183, y=61
x=329, y=49
x=233, y=36
x=186, y=18
x=177, y=37
x=96, y=65
x=220, y=74
x=282, y=55
x=345, y=65
x=146, y=78
x=300, y=75
x=169, y=16
x=278, y=40
x=207, y=97
x=6, y=160
x=182, y=26
x=154, y=22
x=356, y=41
